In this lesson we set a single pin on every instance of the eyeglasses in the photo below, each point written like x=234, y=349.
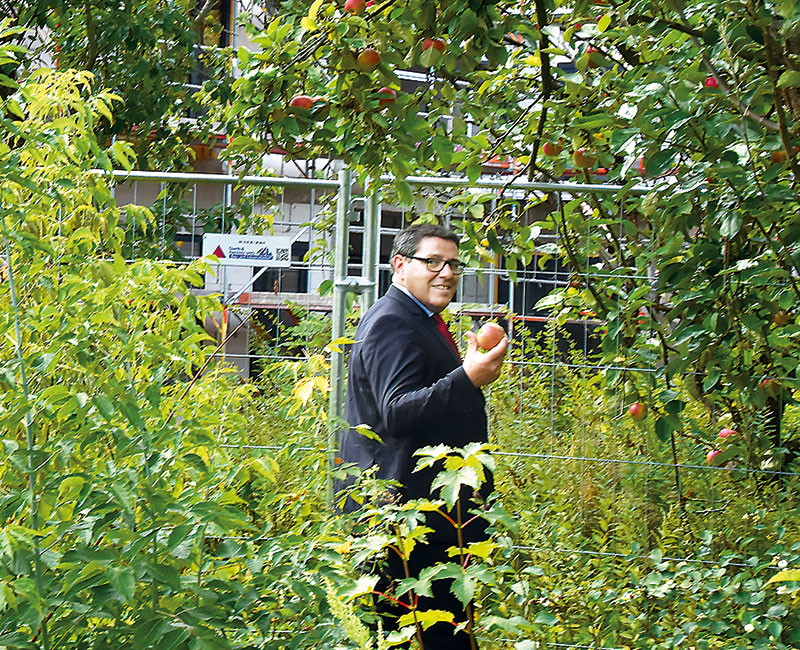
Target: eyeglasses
x=436, y=264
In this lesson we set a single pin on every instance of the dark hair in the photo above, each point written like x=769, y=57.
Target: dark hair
x=407, y=241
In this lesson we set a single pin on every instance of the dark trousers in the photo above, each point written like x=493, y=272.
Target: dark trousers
x=439, y=636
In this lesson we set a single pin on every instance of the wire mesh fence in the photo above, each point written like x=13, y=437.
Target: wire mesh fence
x=587, y=482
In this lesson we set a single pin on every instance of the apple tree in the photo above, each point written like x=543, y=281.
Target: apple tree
x=697, y=100
x=146, y=51
x=700, y=100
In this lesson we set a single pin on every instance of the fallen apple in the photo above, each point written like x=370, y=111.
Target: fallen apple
x=638, y=411
x=489, y=335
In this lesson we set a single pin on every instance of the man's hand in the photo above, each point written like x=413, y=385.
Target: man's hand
x=484, y=367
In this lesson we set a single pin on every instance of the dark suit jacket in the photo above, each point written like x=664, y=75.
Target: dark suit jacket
x=407, y=383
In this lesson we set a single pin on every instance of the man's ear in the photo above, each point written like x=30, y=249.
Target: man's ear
x=398, y=267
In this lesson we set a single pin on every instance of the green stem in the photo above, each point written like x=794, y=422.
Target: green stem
x=29, y=439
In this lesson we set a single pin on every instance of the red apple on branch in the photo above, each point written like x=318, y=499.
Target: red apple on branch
x=593, y=53
x=638, y=411
x=583, y=158
x=711, y=82
x=354, y=6
x=435, y=43
x=727, y=433
x=770, y=387
x=303, y=102
x=711, y=455
x=369, y=59
x=389, y=95
x=778, y=156
x=782, y=318
x=551, y=148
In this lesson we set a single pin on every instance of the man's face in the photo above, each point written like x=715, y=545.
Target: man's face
x=434, y=290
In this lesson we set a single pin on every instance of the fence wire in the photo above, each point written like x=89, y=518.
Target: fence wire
x=559, y=433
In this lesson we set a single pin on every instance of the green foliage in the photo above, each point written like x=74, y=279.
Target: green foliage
x=128, y=521
x=146, y=52
x=116, y=493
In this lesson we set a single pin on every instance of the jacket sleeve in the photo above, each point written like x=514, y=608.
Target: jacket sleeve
x=399, y=368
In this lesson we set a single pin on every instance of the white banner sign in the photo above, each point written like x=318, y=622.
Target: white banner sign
x=248, y=250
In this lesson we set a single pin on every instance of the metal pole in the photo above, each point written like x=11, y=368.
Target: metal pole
x=336, y=397
x=369, y=268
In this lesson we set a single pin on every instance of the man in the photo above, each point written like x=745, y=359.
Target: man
x=408, y=383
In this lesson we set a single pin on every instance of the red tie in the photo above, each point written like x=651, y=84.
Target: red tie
x=445, y=331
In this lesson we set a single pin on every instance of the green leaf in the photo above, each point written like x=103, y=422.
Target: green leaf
x=731, y=224
x=165, y=574
x=777, y=611
x=463, y=588
x=123, y=580
x=663, y=428
x=550, y=301
x=787, y=575
x=789, y=79
x=660, y=163
x=545, y=618
x=104, y=405
x=426, y=618
x=404, y=193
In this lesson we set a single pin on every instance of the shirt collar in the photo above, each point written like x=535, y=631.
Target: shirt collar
x=427, y=311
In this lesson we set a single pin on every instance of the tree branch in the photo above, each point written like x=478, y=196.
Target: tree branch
x=723, y=86
x=91, y=39
x=644, y=18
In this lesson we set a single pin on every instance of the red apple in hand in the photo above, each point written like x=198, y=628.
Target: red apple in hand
x=638, y=411
x=489, y=335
